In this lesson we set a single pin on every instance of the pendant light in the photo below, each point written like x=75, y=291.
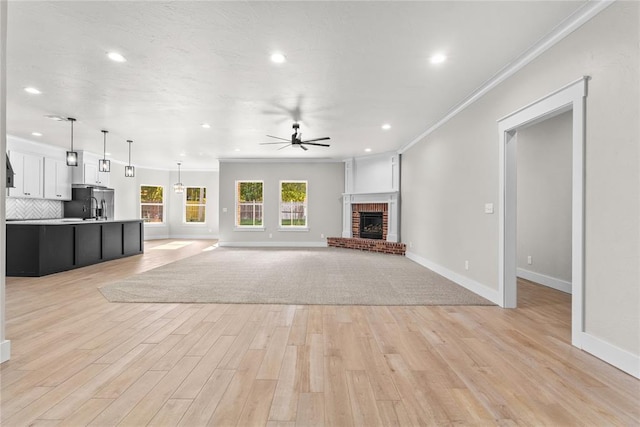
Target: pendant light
x=72, y=156
x=104, y=165
x=178, y=187
x=129, y=171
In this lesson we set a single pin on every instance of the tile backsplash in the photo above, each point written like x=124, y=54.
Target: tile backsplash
x=33, y=208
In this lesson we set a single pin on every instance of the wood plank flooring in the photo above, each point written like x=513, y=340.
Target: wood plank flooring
x=80, y=360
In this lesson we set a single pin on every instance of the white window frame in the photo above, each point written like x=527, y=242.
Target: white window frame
x=163, y=204
x=306, y=207
x=239, y=227
x=184, y=205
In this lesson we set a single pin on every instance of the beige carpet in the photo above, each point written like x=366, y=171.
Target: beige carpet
x=331, y=276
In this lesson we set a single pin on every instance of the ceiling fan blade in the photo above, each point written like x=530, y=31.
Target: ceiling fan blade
x=317, y=139
x=315, y=143
x=303, y=147
x=277, y=137
x=284, y=146
x=269, y=143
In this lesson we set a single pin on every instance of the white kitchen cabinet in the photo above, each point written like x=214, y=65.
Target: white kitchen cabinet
x=28, y=179
x=57, y=179
x=94, y=177
x=87, y=171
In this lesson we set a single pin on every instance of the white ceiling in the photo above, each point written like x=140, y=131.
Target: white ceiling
x=351, y=66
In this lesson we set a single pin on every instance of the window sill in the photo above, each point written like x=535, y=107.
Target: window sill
x=236, y=228
x=293, y=229
x=154, y=224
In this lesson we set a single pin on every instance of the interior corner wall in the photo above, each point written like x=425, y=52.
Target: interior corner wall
x=5, y=345
x=449, y=175
x=325, y=187
x=544, y=156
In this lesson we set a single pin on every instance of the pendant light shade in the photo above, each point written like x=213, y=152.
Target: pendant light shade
x=104, y=165
x=72, y=156
x=178, y=187
x=129, y=171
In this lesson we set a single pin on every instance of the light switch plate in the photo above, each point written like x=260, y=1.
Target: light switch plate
x=224, y=210
x=488, y=208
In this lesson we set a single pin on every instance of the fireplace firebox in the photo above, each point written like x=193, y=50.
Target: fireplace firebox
x=371, y=225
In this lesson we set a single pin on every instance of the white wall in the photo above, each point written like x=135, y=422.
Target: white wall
x=325, y=186
x=374, y=174
x=449, y=175
x=5, y=345
x=544, y=201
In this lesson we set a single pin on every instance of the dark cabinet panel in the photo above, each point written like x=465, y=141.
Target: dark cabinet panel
x=111, y=240
x=88, y=244
x=56, y=249
x=133, y=238
x=23, y=257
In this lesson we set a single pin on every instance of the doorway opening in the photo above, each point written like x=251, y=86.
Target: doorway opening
x=568, y=98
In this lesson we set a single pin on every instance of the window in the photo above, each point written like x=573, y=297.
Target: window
x=195, y=205
x=249, y=196
x=293, y=204
x=152, y=203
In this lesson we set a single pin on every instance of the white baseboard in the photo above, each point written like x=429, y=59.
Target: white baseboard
x=194, y=236
x=274, y=244
x=5, y=351
x=156, y=237
x=475, y=287
x=543, y=279
x=621, y=359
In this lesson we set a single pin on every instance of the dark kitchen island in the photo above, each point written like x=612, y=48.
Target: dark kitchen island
x=41, y=247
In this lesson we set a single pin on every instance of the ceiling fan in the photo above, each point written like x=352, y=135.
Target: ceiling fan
x=296, y=139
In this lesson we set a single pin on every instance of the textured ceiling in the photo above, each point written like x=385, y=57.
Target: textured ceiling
x=351, y=66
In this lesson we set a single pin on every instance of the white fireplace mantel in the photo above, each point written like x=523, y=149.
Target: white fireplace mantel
x=389, y=197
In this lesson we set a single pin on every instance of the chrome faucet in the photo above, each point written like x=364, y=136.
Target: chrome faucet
x=103, y=208
x=91, y=199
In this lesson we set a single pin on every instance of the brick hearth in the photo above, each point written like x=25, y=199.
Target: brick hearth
x=370, y=245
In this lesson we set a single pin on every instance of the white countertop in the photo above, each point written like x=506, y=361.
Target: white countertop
x=67, y=221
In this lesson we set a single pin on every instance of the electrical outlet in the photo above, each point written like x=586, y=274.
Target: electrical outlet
x=529, y=260
x=488, y=208
x=410, y=244
x=224, y=210
x=270, y=235
x=466, y=265
x=322, y=236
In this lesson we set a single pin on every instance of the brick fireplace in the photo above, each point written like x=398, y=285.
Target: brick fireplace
x=357, y=204
x=358, y=208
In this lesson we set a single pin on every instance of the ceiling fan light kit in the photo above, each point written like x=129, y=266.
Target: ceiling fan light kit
x=296, y=139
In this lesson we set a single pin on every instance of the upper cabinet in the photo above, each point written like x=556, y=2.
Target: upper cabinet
x=28, y=179
x=87, y=171
x=57, y=179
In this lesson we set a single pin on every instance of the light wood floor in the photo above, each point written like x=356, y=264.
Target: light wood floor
x=80, y=360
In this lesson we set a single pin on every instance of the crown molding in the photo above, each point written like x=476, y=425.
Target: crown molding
x=568, y=26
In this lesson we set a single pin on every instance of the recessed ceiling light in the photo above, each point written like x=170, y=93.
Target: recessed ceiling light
x=32, y=90
x=278, y=58
x=237, y=149
x=56, y=118
x=438, y=58
x=386, y=126
x=115, y=56
x=36, y=134
x=206, y=125
x=368, y=150
x=107, y=153
x=183, y=154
